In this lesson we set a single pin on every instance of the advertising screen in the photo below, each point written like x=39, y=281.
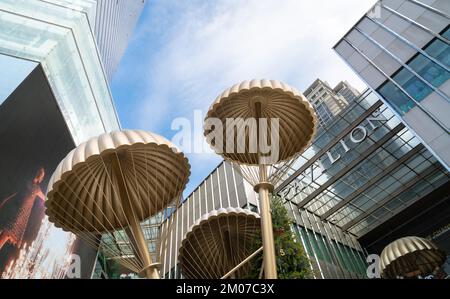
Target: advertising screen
x=33, y=140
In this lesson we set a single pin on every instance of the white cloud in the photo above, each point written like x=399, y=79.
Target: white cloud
x=206, y=46
x=209, y=47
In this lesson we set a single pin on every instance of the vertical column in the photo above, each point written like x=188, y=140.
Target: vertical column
x=134, y=230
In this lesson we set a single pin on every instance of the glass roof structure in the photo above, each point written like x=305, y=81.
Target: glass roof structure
x=122, y=246
x=363, y=167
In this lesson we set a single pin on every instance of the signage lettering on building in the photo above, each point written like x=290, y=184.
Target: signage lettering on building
x=358, y=135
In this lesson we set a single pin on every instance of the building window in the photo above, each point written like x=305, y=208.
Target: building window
x=301, y=231
x=439, y=50
x=425, y=68
x=429, y=70
x=352, y=260
x=413, y=85
x=446, y=33
x=399, y=101
x=251, y=207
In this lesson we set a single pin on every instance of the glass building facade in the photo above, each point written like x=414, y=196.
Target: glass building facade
x=113, y=28
x=401, y=49
x=58, y=36
x=363, y=168
x=56, y=60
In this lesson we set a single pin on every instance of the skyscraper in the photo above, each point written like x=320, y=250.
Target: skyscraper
x=347, y=91
x=114, y=25
x=329, y=102
x=401, y=49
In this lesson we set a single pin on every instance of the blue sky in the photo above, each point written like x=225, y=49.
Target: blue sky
x=184, y=53
x=10, y=80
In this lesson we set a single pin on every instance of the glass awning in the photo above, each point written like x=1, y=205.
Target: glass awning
x=362, y=168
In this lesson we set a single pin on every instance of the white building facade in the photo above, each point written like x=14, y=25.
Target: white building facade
x=401, y=49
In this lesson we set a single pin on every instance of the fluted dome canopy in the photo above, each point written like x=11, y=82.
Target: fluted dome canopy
x=269, y=99
x=217, y=242
x=83, y=193
x=410, y=257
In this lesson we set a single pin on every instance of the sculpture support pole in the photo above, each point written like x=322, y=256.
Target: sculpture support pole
x=246, y=260
x=134, y=232
x=263, y=188
x=270, y=266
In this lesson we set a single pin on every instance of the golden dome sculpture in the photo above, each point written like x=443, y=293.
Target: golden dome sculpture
x=260, y=126
x=217, y=242
x=107, y=186
x=269, y=99
x=410, y=257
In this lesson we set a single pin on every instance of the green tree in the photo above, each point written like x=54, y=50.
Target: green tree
x=292, y=262
x=109, y=266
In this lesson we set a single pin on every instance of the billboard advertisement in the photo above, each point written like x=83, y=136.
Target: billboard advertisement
x=33, y=139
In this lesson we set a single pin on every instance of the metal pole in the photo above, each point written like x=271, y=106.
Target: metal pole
x=263, y=188
x=261, y=271
x=270, y=266
x=242, y=263
x=134, y=230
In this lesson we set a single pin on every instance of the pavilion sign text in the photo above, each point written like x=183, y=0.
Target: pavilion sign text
x=358, y=135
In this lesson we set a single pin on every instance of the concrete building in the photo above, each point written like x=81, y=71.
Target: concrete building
x=325, y=100
x=347, y=91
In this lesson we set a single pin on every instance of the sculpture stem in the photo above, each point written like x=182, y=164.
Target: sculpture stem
x=269, y=261
x=134, y=230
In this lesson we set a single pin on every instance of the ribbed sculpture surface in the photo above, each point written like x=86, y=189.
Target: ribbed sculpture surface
x=410, y=257
x=272, y=124
x=108, y=185
x=277, y=100
x=217, y=242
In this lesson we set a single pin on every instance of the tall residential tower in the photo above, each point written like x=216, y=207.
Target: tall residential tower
x=328, y=101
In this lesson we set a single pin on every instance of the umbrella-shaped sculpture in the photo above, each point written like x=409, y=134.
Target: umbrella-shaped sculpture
x=108, y=185
x=217, y=242
x=410, y=257
x=257, y=125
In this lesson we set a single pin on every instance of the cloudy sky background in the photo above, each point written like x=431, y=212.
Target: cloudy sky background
x=184, y=53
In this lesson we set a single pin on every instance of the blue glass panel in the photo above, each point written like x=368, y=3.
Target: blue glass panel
x=446, y=34
x=413, y=85
x=439, y=50
x=398, y=100
x=429, y=70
